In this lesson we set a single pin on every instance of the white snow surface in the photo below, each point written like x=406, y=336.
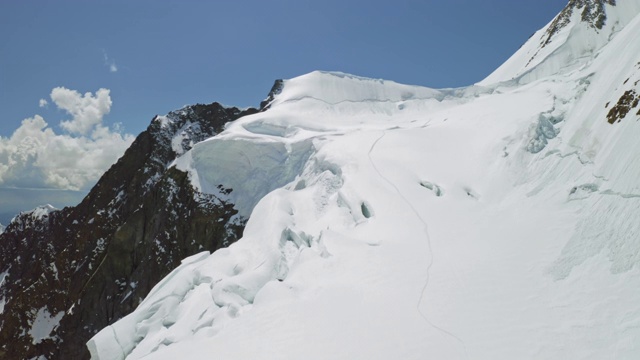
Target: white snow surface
x=398, y=222
x=569, y=49
x=43, y=324
x=3, y=277
x=42, y=211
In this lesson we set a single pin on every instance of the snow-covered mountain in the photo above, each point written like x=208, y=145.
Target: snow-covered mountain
x=494, y=221
x=387, y=221
x=574, y=37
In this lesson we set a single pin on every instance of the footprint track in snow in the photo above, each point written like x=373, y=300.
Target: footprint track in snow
x=429, y=247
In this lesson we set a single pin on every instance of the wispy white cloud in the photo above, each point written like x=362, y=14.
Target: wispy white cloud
x=109, y=63
x=35, y=156
x=43, y=103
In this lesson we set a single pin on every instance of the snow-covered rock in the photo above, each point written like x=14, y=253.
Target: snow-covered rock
x=35, y=218
x=571, y=40
x=42, y=211
x=496, y=221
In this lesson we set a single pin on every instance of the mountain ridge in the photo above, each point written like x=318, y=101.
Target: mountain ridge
x=577, y=33
x=114, y=244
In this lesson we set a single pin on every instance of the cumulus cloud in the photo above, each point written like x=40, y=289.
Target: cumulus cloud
x=87, y=110
x=43, y=103
x=36, y=156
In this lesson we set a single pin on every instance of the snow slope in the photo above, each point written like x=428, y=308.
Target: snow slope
x=548, y=52
x=497, y=221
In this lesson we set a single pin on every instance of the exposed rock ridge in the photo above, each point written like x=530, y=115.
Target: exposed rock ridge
x=93, y=263
x=593, y=13
x=276, y=89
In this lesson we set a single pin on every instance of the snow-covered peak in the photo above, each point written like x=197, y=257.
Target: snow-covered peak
x=569, y=41
x=267, y=150
x=1, y=228
x=42, y=211
x=337, y=87
x=31, y=217
x=592, y=12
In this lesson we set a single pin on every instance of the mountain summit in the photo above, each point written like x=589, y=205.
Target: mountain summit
x=351, y=217
x=574, y=37
x=592, y=12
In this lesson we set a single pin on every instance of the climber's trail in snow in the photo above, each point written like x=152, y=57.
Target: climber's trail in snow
x=430, y=255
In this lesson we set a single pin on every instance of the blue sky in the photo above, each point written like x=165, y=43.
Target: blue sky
x=156, y=56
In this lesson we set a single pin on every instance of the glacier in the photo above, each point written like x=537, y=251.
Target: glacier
x=495, y=221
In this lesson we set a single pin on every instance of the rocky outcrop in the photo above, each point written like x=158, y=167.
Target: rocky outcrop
x=65, y=274
x=592, y=12
x=627, y=102
x=277, y=87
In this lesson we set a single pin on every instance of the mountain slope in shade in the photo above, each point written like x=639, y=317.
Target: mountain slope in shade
x=497, y=221
x=67, y=273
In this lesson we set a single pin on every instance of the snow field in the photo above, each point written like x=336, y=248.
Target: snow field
x=389, y=221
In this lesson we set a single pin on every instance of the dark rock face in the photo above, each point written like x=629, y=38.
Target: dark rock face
x=277, y=87
x=593, y=13
x=628, y=101
x=89, y=265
